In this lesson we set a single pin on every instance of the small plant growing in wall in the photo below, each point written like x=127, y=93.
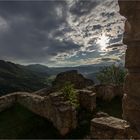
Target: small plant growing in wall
x=70, y=94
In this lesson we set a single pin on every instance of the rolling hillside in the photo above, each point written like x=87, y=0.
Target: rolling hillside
x=14, y=77
x=88, y=71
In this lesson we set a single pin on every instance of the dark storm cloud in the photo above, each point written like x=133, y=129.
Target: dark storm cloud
x=117, y=39
x=95, y=27
x=56, y=32
x=29, y=27
x=113, y=60
x=83, y=7
x=106, y=59
x=108, y=15
x=61, y=46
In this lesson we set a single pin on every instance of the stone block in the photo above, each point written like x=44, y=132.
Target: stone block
x=87, y=99
x=132, y=85
x=101, y=114
x=108, y=128
x=131, y=111
x=108, y=92
x=132, y=59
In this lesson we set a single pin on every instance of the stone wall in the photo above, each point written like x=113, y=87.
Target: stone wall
x=53, y=107
x=7, y=101
x=87, y=99
x=131, y=100
x=108, y=92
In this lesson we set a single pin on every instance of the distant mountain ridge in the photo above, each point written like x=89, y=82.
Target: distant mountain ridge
x=15, y=77
x=84, y=69
x=88, y=71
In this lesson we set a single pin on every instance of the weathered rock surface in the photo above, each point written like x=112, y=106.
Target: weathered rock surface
x=101, y=114
x=132, y=56
x=87, y=99
x=131, y=110
x=132, y=85
x=108, y=92
x=73, y=77
x=53, y=107
x=7, y=101
x=131, y=10
x=91, y=88
x=44, y=91
x=131, y=101
x=109, y=128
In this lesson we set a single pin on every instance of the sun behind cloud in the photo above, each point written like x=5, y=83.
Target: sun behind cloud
x=103, y=42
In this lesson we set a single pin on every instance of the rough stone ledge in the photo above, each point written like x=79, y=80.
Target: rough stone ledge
x=63, y=118
x=7, y=101
x=111, y=128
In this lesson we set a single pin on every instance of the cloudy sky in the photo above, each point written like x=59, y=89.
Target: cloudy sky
x=61, y=33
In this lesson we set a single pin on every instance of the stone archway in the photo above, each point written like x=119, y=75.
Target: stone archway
x=131, y=99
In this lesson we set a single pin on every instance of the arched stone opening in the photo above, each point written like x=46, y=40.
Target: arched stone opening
x=131, y=99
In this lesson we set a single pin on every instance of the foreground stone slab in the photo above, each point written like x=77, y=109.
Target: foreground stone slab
x=108, y=128
x=53, y=107
x=112, y=128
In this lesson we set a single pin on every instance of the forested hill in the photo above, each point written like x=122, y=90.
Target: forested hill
x=14, y=77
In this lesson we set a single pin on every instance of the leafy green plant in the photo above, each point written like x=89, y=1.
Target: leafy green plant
x=70, y=94
x=112, y=75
